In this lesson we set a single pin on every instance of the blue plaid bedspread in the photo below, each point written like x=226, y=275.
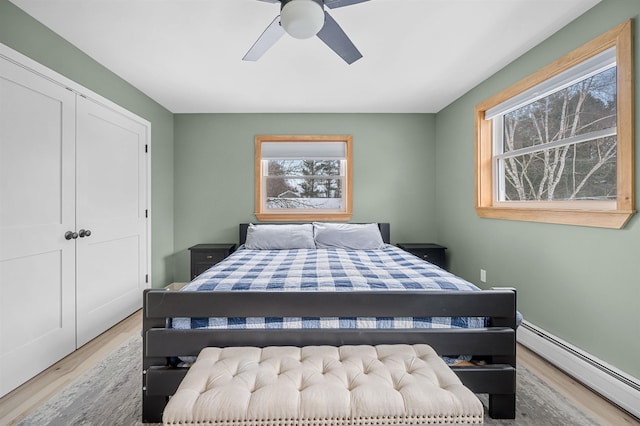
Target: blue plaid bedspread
x=327, y=270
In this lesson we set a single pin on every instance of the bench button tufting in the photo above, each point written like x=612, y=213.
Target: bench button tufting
x=400, y=372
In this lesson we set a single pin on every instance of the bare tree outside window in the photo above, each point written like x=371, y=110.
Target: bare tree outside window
x=304, y=184
x=572, y=171
x=558, y=146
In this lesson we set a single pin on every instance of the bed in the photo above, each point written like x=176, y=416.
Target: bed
x=180, y=324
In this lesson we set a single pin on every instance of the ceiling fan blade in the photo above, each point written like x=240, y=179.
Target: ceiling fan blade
x=332, y=4
x=268, y=38
x=333, y=36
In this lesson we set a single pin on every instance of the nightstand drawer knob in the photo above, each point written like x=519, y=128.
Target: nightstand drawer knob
x=425, y=256
x=209, y=257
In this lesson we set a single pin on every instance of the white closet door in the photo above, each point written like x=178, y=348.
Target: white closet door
x=37, y=198
x=111, y=203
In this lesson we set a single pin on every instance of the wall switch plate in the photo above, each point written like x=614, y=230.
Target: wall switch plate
x=483, y=275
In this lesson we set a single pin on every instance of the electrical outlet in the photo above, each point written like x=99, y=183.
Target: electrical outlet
x=483, y=275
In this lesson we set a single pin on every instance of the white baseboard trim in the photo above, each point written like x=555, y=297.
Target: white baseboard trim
x=613, y=384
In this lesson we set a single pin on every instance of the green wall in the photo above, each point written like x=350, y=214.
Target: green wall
x=581, y=284
x=393, y=176
x=26, y=35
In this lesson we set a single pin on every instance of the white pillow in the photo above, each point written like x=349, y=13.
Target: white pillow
x=348, y=235
x=279, y=237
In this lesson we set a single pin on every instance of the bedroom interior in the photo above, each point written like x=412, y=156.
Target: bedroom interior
x=580, y=318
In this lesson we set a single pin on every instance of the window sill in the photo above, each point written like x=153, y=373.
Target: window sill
x=614, y=219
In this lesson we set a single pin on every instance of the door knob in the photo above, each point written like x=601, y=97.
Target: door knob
x=70, y=235
x=84, y=233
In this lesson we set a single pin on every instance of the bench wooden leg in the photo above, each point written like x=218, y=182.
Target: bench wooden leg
x=502, y=406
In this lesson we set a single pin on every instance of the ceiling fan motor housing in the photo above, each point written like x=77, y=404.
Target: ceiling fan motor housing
x=302, y=18
x=305, y=19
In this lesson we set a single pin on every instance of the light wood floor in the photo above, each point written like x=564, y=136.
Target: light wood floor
x=18, y=404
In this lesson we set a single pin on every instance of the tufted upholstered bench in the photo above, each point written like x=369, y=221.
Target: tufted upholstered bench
x=322, y=386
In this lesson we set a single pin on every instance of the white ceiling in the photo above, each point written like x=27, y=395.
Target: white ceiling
x=419, y=55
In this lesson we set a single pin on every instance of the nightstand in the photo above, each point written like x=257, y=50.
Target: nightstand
x=204, y=256
x=430, y=252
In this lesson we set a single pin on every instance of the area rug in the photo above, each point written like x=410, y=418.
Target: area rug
x=110, y=394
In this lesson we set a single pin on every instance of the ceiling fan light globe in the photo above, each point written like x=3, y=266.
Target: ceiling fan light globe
x=302, y=18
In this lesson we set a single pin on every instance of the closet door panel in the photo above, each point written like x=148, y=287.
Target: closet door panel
x=111, y=203
x=37, y=207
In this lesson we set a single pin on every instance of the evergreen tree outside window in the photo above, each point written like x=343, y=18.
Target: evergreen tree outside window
x=303, y=177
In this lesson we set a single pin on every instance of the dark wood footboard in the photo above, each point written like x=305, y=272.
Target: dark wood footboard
x=496, y=343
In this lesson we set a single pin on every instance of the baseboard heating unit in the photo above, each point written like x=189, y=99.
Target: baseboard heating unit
x=620, y=388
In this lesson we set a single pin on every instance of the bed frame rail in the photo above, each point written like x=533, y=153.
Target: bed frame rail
x=482, y=341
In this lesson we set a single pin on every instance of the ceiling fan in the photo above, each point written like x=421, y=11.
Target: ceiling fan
x=304, y=19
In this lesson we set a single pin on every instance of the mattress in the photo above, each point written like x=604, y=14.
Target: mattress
x=327, y=269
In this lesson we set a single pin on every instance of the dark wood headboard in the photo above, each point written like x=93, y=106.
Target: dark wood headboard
x=385, y=230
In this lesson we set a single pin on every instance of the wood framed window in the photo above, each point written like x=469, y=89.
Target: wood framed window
x=303, y=177
x=557, y=147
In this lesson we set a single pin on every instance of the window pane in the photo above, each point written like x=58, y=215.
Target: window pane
x=578, y=109
x=306, y=193
x=303, y=168
x=584, y=171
